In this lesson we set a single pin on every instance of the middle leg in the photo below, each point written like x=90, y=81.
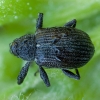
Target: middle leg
x=39, y=23
x=44, y=76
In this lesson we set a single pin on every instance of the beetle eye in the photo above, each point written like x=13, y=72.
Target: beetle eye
x=13, y=48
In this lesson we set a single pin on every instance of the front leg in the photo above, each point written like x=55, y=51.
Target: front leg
x=44, y=76
x=23, y=73
x=39, y=23
x=71, y=23
x=72, y=75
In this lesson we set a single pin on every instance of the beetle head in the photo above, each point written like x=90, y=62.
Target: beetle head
x=24, y=47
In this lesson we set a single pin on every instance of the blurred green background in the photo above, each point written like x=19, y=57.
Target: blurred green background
x=17, y=18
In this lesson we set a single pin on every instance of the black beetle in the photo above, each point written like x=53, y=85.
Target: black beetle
x=56, y=47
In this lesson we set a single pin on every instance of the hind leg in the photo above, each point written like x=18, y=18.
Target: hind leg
x=72, y=75
x=71, y=23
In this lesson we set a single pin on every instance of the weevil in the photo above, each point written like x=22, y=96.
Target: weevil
x=64, y=47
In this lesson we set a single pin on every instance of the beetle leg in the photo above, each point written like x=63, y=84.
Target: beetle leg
x=44, y=76
x=71, y=23
x=39, y=23
x=72, y=75
x=23, y=73
x=36, y=72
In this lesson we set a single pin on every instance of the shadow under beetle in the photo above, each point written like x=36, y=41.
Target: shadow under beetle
x=56, y=47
